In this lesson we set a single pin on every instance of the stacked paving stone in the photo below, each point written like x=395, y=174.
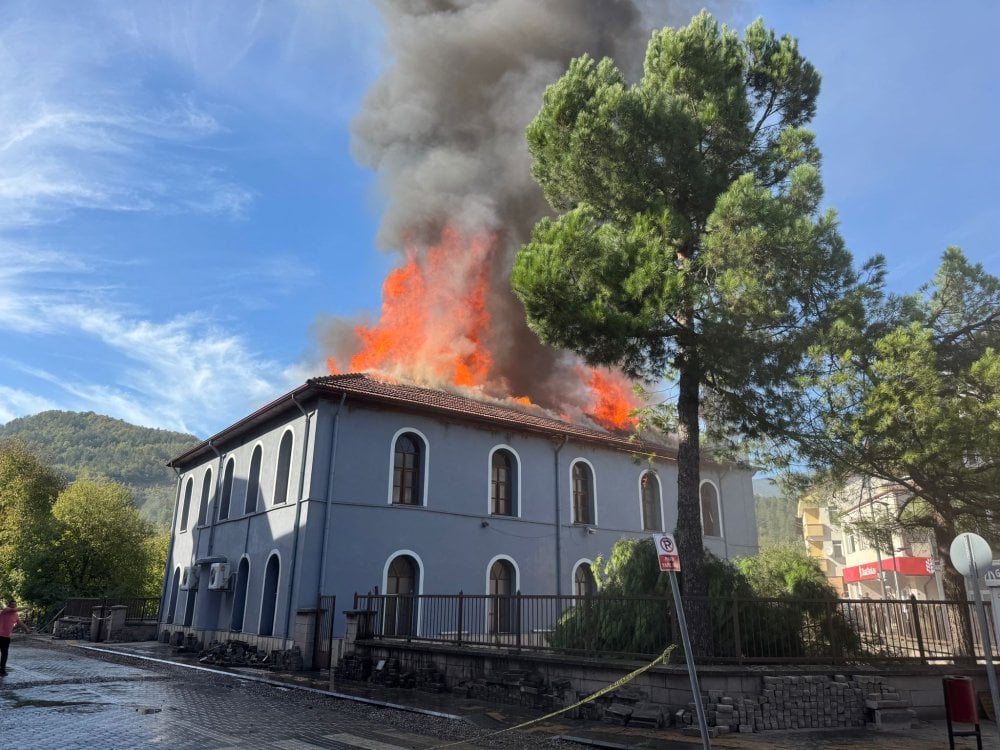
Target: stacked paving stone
x=807, y=701
x=886, y=708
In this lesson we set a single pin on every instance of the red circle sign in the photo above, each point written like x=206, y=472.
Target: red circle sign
x=667, y=544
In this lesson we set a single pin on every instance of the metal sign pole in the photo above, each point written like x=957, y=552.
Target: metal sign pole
x=699, y=707
x=985, y=632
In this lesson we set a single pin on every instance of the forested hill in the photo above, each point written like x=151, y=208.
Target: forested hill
x=85, y=443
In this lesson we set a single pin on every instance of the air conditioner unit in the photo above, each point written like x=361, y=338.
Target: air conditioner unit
x=189, y=578
x=218, y=577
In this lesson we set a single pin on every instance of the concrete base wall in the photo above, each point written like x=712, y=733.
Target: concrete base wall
x=205, y=637
x=817, y=702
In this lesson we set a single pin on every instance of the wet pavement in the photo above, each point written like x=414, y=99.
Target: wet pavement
x=64, y=694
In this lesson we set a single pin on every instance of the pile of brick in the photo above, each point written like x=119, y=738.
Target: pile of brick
x=805, y=701
x=74, y=628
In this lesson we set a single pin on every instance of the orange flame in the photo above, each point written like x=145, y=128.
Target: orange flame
x=434, y=318
x=435, y=327
x=615, y=399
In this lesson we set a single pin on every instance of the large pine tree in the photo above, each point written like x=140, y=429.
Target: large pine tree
x=690, y=241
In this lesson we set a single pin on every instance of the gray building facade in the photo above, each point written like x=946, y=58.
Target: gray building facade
x=348, y=484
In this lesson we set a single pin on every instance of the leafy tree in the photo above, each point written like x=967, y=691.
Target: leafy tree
x=27, y=491
x=785, y=571
x=157, y=549
x=782, y=601
x=690, y=241
x=800, y=614
x=101, y=546
x=914, y=399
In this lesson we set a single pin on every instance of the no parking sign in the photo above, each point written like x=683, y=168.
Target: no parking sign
x=666, y=552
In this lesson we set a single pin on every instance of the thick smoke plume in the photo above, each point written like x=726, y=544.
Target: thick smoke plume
x=444, y=128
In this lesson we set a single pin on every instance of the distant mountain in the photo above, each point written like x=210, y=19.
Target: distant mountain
x=88, y=444
x=766, y=487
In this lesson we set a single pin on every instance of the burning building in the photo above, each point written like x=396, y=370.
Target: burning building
x=350, y=483
x=474, y=458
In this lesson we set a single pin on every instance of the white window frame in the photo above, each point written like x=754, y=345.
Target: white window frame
x=659, y=485
x=718, y=508
x=260, y=487
x=277, y=472
x=593, y=500
x=516, y=485
x=426, y=468
x=277, y=592
x=572, y=575
x=420, y=568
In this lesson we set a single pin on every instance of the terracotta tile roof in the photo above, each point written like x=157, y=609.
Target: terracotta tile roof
x=362, y=387
x=494, y=412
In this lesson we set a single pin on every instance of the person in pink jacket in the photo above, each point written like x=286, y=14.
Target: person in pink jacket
x=8, y=621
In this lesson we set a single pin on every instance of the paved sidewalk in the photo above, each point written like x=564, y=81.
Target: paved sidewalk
x=66, y=695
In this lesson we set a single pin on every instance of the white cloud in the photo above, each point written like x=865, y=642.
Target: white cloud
x=15, y=403
x=113, y=109
x=90, y=125
x=184, y=373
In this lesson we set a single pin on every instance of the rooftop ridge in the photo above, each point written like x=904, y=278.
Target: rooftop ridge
x=487, y=408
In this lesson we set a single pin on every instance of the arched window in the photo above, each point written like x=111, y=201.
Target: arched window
x=584, y=583
x=583, y=493
x=284, y=469
x=401, y=585
x=186, y=507
x=253, y=482
x=175, y=586
x=206, y=493
x=408, y=470
x=503, y=483
x=652, y=520
x=501, y=597
x=711, y=520
x=227, y=490
x=270, y=596
x=240, y=598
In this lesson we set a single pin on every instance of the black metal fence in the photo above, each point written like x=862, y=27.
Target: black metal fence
x=136, y=607
x=843, y=631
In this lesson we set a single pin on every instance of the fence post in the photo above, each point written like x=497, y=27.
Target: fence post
x=831, y=610
x=915, y=616
x=517, y=605
x=737, y=638
x=461, y=615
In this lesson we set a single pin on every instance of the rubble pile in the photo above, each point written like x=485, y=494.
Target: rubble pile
x=234, y=653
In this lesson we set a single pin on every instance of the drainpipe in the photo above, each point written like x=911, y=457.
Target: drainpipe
x=298, y=515
x=722, y=516
x=558, y=521
x=218, y=487
x=327, y=514
x=170, y=552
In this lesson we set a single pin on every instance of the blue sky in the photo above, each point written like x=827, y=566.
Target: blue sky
x=179, y=204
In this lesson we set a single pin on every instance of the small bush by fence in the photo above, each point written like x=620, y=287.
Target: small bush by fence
x=843, y=631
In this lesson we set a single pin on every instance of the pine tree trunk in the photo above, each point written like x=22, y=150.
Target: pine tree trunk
x=689, y=531
x=954, y=590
